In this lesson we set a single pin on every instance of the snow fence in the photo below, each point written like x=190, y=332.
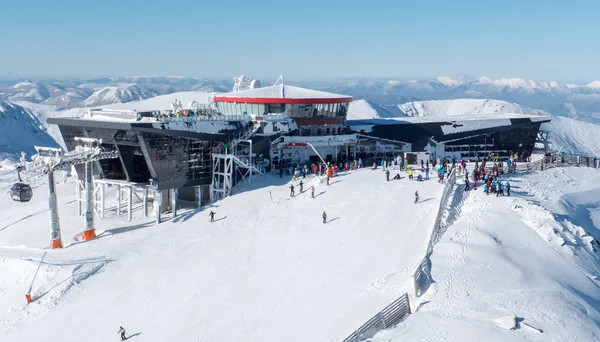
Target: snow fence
x=386, y=318
x=422, y=276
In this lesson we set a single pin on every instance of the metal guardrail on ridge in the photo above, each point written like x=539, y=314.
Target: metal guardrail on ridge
x=422, y=275
x=388, y=317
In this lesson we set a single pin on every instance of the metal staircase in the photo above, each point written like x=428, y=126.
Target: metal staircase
x=237, y=158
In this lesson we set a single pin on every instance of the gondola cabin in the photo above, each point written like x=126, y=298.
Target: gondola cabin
x=21, y=192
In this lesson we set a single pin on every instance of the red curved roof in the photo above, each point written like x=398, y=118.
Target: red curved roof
x=282, y=94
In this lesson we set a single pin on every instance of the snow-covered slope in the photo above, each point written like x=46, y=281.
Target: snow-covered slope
x=574, y=136
x=458, y=107
x=20, y=131
x=267, y=270
x=529, y=257
x=363, y=109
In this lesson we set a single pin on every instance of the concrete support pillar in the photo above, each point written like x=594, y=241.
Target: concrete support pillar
x=118, y=200
x=89, y=231
x=129, y=203
x=157, y=204
x=145, y=202
x=174, y=194
x=78, y=193
x=55, y=239
x=102, y=199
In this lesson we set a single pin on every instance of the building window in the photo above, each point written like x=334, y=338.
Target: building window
x=276, y=108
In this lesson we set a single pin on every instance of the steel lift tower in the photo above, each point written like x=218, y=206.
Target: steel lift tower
x=47, y=160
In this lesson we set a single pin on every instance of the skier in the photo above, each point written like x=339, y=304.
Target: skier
x=292, y=190
x=416, y=197
x=507, y=189
x=467, y=182
x=312, y=191
x=499, y=189
x=324, y=217
x=212, y=216
x=387, y=175
x=327, y=180
x=301, y=186
x=122, y=332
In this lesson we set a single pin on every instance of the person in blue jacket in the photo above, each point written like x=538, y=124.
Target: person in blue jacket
x=507, y=189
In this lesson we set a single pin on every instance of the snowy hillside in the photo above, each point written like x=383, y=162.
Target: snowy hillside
x=264, y=271
x=533, y=257
x=458, y=107
x=268, y=269
x=20, y=131
x=363, y=109
x=574, y=136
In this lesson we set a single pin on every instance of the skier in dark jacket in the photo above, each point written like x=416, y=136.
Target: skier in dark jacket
x=212, y=216
x=416, y=197
x=507, y=189
x=122, y=332
x=301, y=186
x=387, y=175
x=292, y=190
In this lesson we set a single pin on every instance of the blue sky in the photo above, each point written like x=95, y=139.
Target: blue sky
x=303, y=39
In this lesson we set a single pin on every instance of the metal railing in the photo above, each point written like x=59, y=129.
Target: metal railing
x=422, y=275
x=391, y=315
x=559, y=160
x=205, y=118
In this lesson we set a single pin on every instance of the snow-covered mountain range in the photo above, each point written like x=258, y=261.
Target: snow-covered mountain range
x=572, y=100
x=98, y=92
x=581, y=101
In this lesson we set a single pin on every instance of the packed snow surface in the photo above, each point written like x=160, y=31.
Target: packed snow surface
x=532, y=258
x=267, y=270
